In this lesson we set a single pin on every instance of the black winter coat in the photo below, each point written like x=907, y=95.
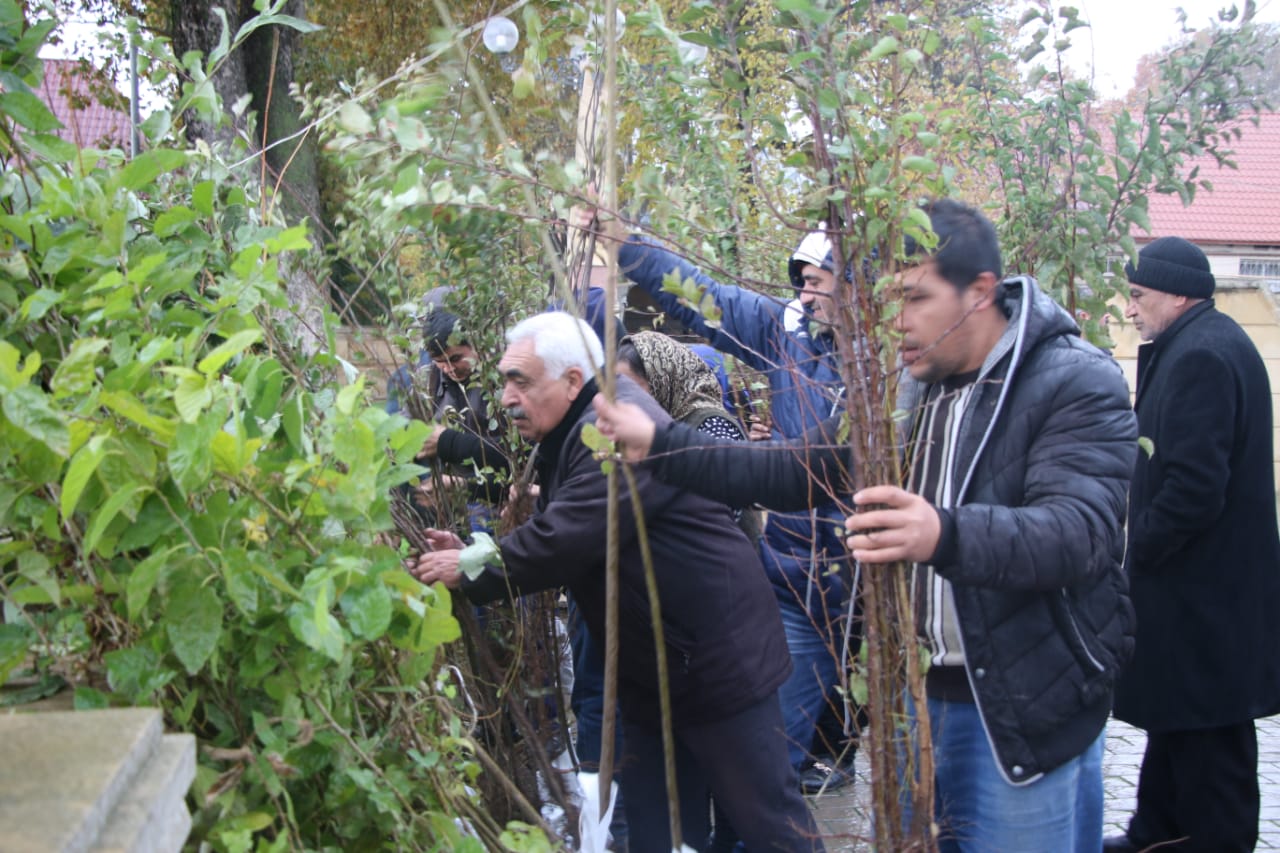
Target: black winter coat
x=1204, y=556
x=723, y=635
x=473, y=442
x=1046, y=448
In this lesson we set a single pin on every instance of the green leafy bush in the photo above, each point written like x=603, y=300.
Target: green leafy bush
x=192, y=512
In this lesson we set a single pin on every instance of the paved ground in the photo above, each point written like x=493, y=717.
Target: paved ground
x=843, y=815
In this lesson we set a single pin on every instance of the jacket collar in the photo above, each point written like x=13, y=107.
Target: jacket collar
x=1149, y=352
x=1163, y=340
x=550, y=447
x=445, y=385
x=1033, y=317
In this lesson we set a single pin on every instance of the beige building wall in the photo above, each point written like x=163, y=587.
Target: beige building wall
x=1250, y=304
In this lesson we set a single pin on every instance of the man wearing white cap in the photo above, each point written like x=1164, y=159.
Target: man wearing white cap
x=792, y=344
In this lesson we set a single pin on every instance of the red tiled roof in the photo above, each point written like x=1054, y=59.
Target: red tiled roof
x=1244, y=205
x=86, y=121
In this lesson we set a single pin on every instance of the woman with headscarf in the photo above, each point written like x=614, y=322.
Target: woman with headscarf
x=679, y=380
x=688, y=389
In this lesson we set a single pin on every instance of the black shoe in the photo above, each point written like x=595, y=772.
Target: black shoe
x=822, y=778
x=1118, y=844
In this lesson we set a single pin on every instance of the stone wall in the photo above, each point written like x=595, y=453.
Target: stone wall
x=371, y=352
x=104, y=780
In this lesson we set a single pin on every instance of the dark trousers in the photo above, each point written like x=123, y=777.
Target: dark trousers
x=587, y=702
x=741, y=760
x=1200, y=785
x=587, y=697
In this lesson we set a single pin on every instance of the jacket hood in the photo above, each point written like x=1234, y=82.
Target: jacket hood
x=815, y=249
x=1033, y=317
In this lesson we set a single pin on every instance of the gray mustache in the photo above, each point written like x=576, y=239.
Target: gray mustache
x=514, y=412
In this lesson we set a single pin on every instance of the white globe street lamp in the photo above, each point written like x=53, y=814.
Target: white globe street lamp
x=500, y=35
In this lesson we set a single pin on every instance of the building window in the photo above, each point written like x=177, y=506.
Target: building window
x=1115, y=266
x=1260, y=267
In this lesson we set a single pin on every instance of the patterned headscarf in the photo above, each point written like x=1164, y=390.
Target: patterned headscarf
x=679, y=380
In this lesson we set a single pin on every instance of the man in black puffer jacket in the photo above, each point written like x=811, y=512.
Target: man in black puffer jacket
x=1020, y=444
x=724, y=647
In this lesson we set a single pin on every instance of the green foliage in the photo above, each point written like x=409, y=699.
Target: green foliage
x=806, y=112
x=423, y=206
x=192, y=512
x=706, y=149
x=482, y=552
x=1071, y=177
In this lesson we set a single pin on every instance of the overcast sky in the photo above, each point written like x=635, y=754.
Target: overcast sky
x=1122, y=31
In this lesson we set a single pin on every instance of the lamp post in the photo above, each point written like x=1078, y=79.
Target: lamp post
x=500, y=35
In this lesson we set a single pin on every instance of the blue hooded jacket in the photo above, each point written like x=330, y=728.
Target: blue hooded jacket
x=774, y=338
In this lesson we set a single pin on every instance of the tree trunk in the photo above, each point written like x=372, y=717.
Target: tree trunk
x=262, y=68
x=195, y=27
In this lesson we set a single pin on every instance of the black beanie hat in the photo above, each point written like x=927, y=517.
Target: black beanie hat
x=1173, y=265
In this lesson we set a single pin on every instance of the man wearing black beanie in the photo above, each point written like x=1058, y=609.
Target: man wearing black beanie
x=1203, y=561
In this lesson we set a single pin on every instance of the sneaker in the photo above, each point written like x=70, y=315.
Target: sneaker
x=820, y=778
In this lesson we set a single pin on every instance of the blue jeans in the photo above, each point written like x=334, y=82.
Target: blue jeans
x=977, y=810
x=811, y=686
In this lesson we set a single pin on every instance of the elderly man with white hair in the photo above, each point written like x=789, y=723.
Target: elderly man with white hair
x=725, y=650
